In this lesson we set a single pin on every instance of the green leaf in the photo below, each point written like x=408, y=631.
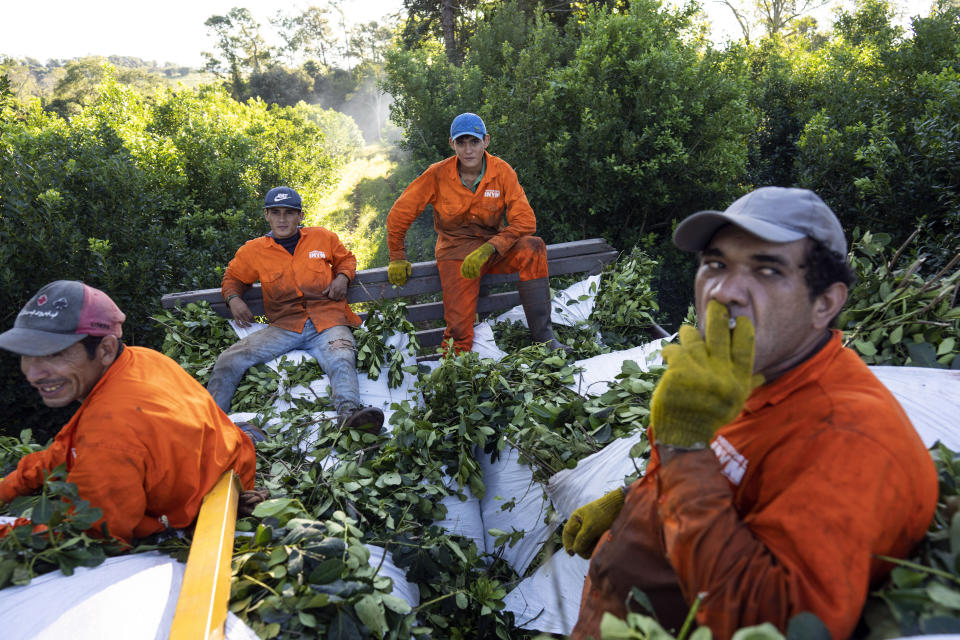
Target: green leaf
x=944, y=595
x=43, y=511
x=462, y=601
x=272, y=507
x=395, y=604
x=456, y=549
x=613, y=628
x=390, y=479
x=866, y=348
x=896, y=335
x=807, y=626
x=765, y=631
x=370, y=611
x=946, y=346
x=955, y=533
x=922, y=354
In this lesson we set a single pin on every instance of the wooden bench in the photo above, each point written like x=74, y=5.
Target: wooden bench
x=583, y=256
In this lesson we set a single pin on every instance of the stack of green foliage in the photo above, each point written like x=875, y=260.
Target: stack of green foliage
x=302, y=567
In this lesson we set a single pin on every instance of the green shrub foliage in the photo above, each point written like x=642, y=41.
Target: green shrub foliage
x=139, y=197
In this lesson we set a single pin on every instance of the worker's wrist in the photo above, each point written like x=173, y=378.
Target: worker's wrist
x=232, y=296
x=668, y=452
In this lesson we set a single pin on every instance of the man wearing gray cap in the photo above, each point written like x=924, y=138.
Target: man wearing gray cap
x=303, y=275
x=782, y=468
x=147, y=442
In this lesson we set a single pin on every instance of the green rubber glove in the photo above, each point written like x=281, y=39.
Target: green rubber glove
x=706, y=382
x=398, y=271
x=472, y=263
x=588, y=523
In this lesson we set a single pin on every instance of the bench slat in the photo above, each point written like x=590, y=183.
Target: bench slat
x=582, y=256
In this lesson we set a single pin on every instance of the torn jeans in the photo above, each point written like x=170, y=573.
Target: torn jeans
x=334, y=348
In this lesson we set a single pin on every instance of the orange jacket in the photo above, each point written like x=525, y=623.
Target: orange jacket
x=292, y=284
x=819, y=474
x=464, y=220
x=147, y=442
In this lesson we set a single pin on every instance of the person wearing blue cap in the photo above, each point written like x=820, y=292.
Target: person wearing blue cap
x=484, y=225
x=303, y=273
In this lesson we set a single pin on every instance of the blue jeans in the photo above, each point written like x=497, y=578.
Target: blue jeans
x=334, y=348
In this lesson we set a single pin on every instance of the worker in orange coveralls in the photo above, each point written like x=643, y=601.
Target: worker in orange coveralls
x=782, y=468
x=147, y=441
x=471, y=193
x=304, y=274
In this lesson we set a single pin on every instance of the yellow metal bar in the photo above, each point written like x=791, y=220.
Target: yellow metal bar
x=202, y=606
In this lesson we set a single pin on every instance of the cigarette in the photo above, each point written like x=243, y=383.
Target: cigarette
x=732, y=324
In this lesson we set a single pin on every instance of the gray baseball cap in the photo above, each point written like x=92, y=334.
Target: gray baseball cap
x=775, y=214
x=61, y=314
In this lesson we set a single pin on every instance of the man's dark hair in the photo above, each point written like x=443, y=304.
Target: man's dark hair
x=824, y=267
x=90, y=343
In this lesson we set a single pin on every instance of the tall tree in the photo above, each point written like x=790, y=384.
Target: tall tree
x=241, y=48
x=773, y=16
x=451, y=21
x=308, y=34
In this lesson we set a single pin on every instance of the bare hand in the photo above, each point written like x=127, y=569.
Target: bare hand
x=337, y=290
x=241, y=312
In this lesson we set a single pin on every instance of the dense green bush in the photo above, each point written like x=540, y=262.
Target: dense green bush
x=880, y=141
x=138, y=197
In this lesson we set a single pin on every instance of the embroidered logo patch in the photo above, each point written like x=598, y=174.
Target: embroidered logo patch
x=733, y=463
x=491, y=193
x=42, y=300
x=281, y=196
x=317, y=254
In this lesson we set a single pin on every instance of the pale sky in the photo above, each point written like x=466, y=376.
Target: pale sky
x=164, y=31
x=173, y=30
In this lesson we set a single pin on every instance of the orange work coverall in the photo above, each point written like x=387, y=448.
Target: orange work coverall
x=464, y=220
x=820, y=473
x=292, y=284
x=147, y=442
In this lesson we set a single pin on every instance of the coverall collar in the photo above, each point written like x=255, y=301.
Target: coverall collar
x=483, y=171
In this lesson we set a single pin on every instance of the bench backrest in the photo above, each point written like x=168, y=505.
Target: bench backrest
x=582, y=256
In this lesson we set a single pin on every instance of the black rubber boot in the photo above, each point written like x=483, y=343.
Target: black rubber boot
x=535, y=298
x=369, y=419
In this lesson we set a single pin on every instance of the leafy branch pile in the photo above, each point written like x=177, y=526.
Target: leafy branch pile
x=923, y=593
x=309, y=578
x=625, y=304
x=50, y=533
x=385, y=318
x=895, y=315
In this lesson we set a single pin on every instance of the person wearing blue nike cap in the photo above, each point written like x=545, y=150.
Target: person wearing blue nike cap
x=303, y=273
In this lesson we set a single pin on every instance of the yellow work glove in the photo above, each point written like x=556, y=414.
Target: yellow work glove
x=706, y=382
x=472, y=263
x=588, y=523
x=398, y=271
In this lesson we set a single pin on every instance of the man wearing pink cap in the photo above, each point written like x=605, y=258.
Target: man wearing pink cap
x=147, y=441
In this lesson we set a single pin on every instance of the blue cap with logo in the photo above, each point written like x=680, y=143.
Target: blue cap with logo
x=467, y=124
x=282, y=197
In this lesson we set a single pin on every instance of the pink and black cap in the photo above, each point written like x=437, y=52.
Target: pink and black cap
x=61, y=314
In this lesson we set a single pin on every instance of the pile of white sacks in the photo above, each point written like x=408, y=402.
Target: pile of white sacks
x=135, y=596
